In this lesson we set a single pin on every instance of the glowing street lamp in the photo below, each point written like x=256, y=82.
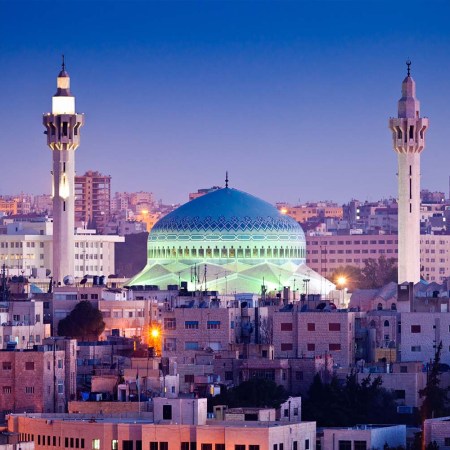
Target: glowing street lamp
x=342, y=281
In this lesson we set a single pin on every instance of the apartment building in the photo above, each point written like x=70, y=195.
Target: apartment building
x=93, y=200
x=41, y=380
x=326, y=253
x=22, y=323
x=177, y=423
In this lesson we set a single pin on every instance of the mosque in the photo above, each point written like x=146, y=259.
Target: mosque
x=231, y=242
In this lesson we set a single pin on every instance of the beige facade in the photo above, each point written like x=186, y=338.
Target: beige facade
x=41, y=380
x=83, y=432
x=325, y=254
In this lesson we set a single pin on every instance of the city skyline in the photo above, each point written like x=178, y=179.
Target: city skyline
x=176, y=94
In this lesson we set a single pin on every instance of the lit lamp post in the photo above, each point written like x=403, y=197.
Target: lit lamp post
x=342, y=281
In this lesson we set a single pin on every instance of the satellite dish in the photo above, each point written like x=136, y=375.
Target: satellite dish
x=69, y=280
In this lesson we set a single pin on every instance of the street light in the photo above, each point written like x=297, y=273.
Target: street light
x=342, y=281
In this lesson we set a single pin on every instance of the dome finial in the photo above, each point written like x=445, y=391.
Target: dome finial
x=408, y=64
x=226, y=179
x=63, y=63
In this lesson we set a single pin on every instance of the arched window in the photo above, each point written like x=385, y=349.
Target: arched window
x=262, y=252
x=224, y=252
x=232, y=252
x=379, y=307
x=281, y=252
x=269, y=252
x=180, y=251
x=275, y=252
x=194, y=252
x=394, y=306
x=386, y=323
x=248, y=252
x=201, y=252
x=186, y=252
x=255, y=252
x=372, y=324
x=240, y=252
x=208, y=252
x=216, y=252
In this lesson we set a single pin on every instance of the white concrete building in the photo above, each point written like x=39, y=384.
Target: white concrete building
x=27, y=250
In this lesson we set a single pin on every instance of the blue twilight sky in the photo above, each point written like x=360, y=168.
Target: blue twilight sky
x=292, y=98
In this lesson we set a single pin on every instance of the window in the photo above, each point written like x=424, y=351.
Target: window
x=206, y=446
x=306, y=444
x=360, y=445
x=154, y=445
x=29, y=390
x=191, y=325
x=415, y=328
x=60, y=387
x=7, y=389
x=60, y=363
x=167, y=412
x=447, y=442
x=311, y=327
x=170, y=324
x=253, y=447
x=334, y=327
x=287, y=326
x=213, y=325
x=189, y=378
x=311, y=347
x=295, y=445
x=6, y=365
x=345, y=445
x=95, y=444
x=416, y=348
x=403, y=369
x=127, y=445
x=228, y=375
x=189, y=345
x=184, y=446
x=400, y=394
x=286, y=347
x=29, y=365
x=239, y=447
x=334, y=347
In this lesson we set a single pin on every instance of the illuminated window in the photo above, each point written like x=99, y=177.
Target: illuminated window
x=95, y=444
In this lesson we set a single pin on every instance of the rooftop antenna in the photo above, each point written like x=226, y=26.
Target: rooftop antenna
x=226, y=179
x=408, y=64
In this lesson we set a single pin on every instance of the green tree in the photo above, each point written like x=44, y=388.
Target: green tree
x=346, y=404
x=377, y=273
x=257, y=392
x=85, y=322
x=435, y=402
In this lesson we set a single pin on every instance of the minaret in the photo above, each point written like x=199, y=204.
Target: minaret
x=408, y=131
x=63, y=137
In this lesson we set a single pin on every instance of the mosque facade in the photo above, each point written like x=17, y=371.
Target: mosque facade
x=231, y=242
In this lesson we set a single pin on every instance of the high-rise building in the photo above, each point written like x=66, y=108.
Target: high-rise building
x=408, y=132
x=93, y=200
x=63, y=137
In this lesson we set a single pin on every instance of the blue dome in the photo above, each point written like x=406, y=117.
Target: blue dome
x=239, y=240
x=226, y=210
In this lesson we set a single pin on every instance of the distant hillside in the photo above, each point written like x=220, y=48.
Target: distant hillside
x=131, y=255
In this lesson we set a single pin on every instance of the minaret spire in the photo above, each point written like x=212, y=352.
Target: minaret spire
x=226, y=179
x=63, y=65
x=408, y=133
x=63, y=137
